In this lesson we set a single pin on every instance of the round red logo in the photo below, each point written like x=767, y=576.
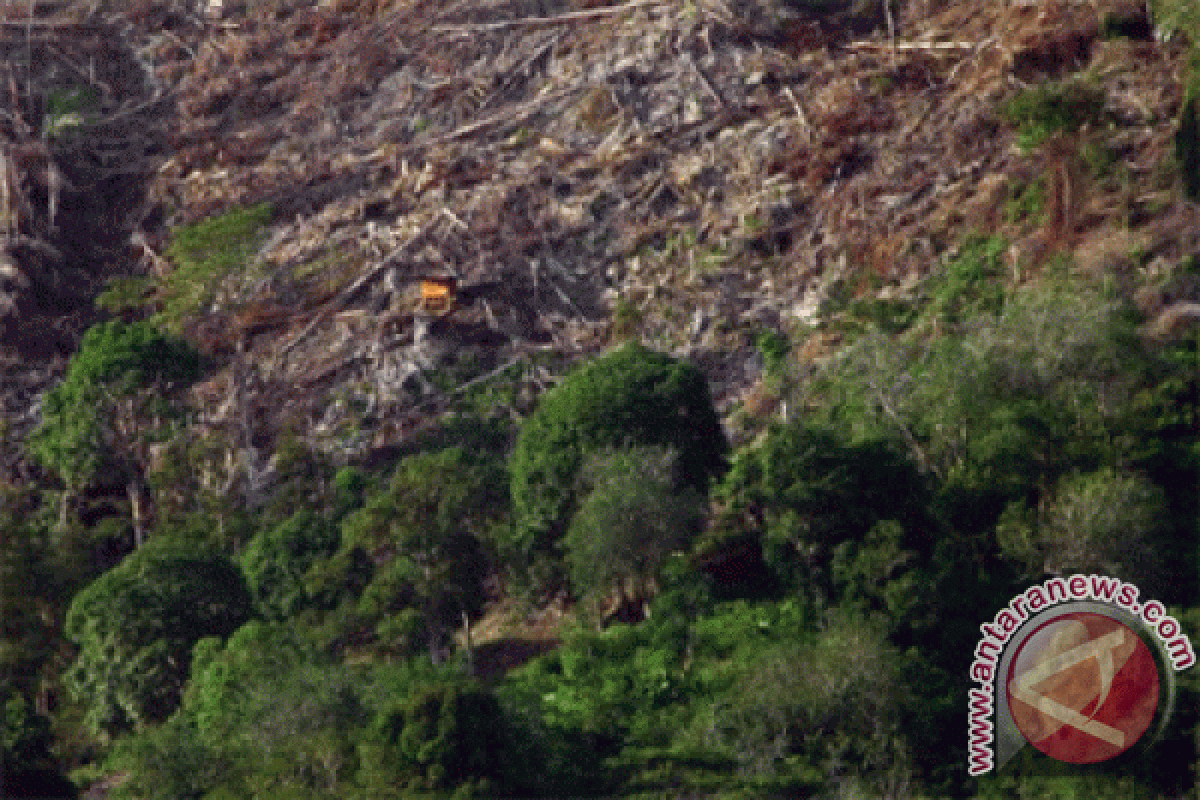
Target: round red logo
x=1083, y=688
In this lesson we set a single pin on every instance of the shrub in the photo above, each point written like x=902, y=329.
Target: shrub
x=631, y=396
x=1014, y=399
x=1051, y=108
x=206, y=254
x=972, y=282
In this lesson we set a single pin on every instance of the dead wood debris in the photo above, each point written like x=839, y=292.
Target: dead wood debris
x=78, y=123
x=712, y=161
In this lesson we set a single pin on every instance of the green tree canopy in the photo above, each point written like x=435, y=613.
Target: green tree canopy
x=136, y=624
x=98, y=420
x=276, y=561
x=631, y=520
x=447, y=736
x=805, y=490
x=628, y=397
x=114, y=360
x=427, y=530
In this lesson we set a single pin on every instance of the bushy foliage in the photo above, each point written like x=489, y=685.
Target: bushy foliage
x=427, y=531
x=83, y=428
x=205, y=255
x=448, y=736
x=631, y=396
x=631, y=519
x=27, y=583
x=264, y=714
x=168, y=762
x=276, y=562
x=1054, y=107
x=136, y=624
x=637, y=696
x=227, y=675
x=971, y=282
x=832, y=702
x=1012, y=398
x=804, y=491
x=1101, y=521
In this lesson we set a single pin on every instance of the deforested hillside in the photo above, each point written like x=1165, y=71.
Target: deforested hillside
x=682, y=174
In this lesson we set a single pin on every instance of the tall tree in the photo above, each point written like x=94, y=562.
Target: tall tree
x=428, y=530
x=108, y=408
x=136, y=626
x=629, y=397
x=631, y=520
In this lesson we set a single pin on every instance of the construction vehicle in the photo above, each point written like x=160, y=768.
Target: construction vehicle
x=439, y=294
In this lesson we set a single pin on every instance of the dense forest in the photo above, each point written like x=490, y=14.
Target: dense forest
x=795, y=616
x=557, y=552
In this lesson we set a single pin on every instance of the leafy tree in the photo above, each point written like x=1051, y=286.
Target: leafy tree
x=804, y=491
x=429, y=527
x=225, y=675
x=631, y=520
x=277, y=708
x=1096, y=521
x=876, y=573
x=449, y=736
x=301, y=730
x=834, y=702
x=1015, y=400
x=276, y=562
x=629, y=397
x=90, y=422
x=26, y=589
x=136, y=625
x=168, y=762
